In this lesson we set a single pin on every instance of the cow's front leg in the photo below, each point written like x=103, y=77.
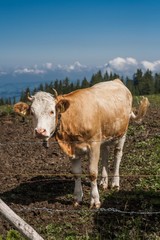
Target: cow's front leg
x=93, y=173
x=118, y=152
x=78, y=193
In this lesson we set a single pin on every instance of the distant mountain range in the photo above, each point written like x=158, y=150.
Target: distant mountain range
x=13, y=81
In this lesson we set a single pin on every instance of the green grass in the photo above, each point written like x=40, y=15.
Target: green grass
x=12, y=235
x=144, y=160
x=6, y=109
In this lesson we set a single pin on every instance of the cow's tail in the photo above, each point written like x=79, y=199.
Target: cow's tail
x=144, y=104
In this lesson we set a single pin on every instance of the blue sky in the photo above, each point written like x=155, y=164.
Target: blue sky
x=89, y=31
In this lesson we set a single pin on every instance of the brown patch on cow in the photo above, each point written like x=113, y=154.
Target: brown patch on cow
x=93, y=176
x=65, y=145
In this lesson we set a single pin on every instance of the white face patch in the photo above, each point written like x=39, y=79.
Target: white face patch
x=44, y=115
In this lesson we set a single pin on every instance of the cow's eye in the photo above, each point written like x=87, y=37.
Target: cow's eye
x=51, y=112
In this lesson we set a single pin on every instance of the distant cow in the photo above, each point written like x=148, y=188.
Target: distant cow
x=86, y=120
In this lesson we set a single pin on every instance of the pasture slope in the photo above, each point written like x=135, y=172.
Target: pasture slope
x=37, y=184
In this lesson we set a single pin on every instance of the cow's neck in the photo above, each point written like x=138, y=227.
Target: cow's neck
x=58, y=123
x=63, y=139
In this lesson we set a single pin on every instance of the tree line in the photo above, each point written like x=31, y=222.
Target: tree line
x=142, y=83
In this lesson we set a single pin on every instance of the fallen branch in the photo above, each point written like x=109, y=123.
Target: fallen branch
x=26, y=230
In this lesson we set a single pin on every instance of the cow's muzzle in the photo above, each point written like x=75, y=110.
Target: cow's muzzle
x=41, y=133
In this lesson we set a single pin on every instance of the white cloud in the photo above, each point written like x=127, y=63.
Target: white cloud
x=2, y=73
x=122, y=63
x=117, y=63
x=59, y=66
x=123, y=66
x=131, y=61
x=48, y=65
x=29, y=71
x=75, y=66
x=147, y=65
x=153, y=66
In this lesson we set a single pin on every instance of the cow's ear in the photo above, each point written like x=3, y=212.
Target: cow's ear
x=22, y=108
x=62, y=105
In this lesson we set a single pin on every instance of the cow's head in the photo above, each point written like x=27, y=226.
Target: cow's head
x=44, y=109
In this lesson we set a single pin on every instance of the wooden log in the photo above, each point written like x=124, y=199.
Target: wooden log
x=25, y=229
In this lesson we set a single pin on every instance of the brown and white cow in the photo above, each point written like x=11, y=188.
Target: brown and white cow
x=86, y=120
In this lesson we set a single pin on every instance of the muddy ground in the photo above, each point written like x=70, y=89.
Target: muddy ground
x=37, y=184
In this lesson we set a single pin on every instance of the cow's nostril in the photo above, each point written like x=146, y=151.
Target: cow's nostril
x=40, y=131
x=44, y=131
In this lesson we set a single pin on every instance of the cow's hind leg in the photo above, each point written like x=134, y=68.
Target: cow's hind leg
x=78, y=193
x=93, y=172
x=104, y=155
x=117, y=159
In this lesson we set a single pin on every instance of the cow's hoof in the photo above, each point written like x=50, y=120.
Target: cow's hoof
x=104, y=187
x=96, y=205
x=77, y=204
x=115, y=188
x=91, y=206
x=104, y=184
